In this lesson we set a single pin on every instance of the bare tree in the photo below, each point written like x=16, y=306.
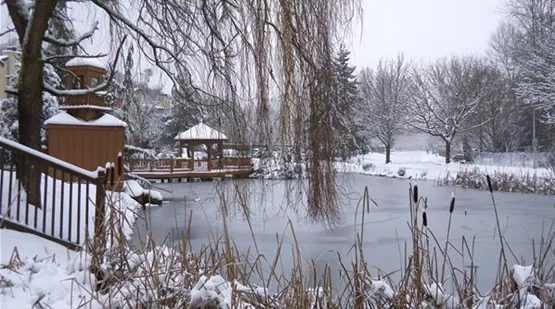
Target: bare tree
x=533, y=24
x=233, y=51
x=510, y=130
x=386, y=94
x=445, y=96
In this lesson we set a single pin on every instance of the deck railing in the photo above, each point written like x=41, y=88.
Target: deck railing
x=48, y=197
x=171, y=165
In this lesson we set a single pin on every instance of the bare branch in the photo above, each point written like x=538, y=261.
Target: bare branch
x=76, y=92
x=50, y=59
x=9, y=30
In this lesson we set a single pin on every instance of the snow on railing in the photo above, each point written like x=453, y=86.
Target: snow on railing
x=14, y=146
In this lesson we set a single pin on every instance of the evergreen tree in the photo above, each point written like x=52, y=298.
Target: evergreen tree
x=9, y=119
x=128, y=90
x=61, y=26
x=182, y=115
x=9, y=126
x=346, y=96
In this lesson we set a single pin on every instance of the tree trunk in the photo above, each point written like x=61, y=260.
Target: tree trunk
x=447, y=151
x=387, y=153
x=30, y=86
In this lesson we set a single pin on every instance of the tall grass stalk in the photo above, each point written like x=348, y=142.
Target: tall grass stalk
x=161, y=275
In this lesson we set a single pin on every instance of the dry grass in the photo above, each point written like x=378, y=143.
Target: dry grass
x=164, y=274
x=503, y=181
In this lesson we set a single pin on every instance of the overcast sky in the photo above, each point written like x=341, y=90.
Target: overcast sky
x=422, y=29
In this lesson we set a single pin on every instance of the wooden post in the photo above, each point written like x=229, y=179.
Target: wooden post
x=192, y=150
x=172, y=161
x=209, y=150
x=99, y=242
x=221, y=149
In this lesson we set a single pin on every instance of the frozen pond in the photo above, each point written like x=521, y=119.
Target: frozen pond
x=523, y=218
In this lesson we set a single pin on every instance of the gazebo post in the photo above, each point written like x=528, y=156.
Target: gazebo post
x=221, y=150
x=202, y=134
x=192, y=150
x=208, y=150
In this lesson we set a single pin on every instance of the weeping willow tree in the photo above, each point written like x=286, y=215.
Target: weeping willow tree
x=236, y=55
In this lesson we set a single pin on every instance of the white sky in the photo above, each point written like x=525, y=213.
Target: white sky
x=422, y=29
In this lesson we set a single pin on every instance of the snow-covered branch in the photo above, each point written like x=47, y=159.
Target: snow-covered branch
x=74, y=42
x=446, y=96
x=67, y=57
x=77, y=92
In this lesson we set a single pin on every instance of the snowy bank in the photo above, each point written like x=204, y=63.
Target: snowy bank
x=77, y=194
x=277, y=166
x=142, y=195
x=35, y=273
x=421, y=165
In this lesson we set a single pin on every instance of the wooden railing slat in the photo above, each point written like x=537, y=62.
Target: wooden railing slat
x=56, y=210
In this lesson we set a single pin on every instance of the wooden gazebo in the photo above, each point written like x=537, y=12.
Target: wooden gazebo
x=198, y=135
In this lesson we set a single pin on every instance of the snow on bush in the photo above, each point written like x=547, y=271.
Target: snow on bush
x=135, y=190
x=35, y=273
x=278, y=165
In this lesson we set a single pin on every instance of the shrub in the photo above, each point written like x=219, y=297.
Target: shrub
x=503, y=181
x=423, y=174
x=401, y=171
x=368, y=166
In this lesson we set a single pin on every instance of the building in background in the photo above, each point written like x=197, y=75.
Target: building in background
x=8, y=70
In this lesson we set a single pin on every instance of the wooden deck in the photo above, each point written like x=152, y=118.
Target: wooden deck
x=179, y=168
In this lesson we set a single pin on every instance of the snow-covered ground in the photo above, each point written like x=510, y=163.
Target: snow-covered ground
x=35, y=273
x=426, y=166
x=122, y=203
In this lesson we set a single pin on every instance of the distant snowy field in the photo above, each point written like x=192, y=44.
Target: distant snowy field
x=418, y=164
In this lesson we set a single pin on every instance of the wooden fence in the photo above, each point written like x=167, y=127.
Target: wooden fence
x=65, y=208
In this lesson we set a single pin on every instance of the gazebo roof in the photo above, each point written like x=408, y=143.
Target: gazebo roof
x=201, y=132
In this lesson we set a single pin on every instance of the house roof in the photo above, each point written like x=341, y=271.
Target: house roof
x=93, y=62
x=105, y=121
x=201, y=132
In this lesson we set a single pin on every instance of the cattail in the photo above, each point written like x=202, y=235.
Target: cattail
x=120, y=163
x=424, y=219
x=415, y=194
x=489, y=184
x=452, y=206
x=112, y=172
x=106, y=173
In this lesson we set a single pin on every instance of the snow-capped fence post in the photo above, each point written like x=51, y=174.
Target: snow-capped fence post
x=63, y=189
x=99, y=242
